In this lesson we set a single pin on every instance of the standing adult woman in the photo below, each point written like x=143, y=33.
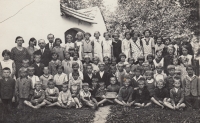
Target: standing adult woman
x=19, y=53
x=31, y=48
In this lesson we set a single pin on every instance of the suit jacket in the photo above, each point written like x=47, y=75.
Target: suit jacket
x=104, y=78
x=143, y=97
x=177, y=97
x=47, y=46
x=87, y=79
x=38, y=69
x=191, y=86
x=45, y=57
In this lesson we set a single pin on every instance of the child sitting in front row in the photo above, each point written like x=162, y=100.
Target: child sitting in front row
x=37, y=100
x=51, y=93
x=176, y=95
x=161, y=94
x=141, y=95
x=86, y=98
x=125, y=94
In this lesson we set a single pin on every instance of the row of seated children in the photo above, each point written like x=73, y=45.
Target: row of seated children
x=141, y=92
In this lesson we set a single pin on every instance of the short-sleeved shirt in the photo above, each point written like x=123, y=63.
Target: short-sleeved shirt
x=60, y=78
x=85, y=95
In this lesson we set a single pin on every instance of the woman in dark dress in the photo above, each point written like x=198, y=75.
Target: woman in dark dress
x=19, y=53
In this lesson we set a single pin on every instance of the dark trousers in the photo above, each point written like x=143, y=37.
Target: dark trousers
x=192, y=101
x=7, y=104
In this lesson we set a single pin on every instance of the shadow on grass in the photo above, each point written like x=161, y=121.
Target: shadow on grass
x=152, y=115
x=48, y=115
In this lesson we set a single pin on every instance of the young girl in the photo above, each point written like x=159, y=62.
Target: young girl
x=7, y=62
x=185, y=58
x=159, y=74
x=75, y=85
x=159, y=43
x=122, y=58
x=159, y=60
x=116, y=46
x=150, y=82
x=58, y=49
x=150, y=59
x=95, y=65
x=54, y=63
x=37, y=100
x=88, y=45
x=67, y=64
x=167, y=42
x=23, y=88
x=60, y=77
x=79, y=44
x=148, y=43
x=136, y=45
x=69, y=43
x=75, y=59
x=75, y=69
x=140, y=60
x=107, y=45
x=126, y=45
x=45, y=78
x=86, y=62
x=86, y=98
x=98, y=46
x=168, y=59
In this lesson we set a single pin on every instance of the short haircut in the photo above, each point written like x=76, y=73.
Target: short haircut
x=97, y=32
x=30, y=68
x=150, y=33
x=150, y=56
x=37, y=54
x=54, y=53
x=25, y=60
x=18, y=37
x=127, y=32
x=160, y=50
x=6, y=68
x=49, y=35
x=75, y=73
x=6, y=52
x=58, y=39
x=106, y=58
x=75, y=64
x=190, y=66
x=88, y=65
x=65, y=84
x=79, y=33
x=122, y=54
x=106, y=33
x=51, y=80
x=160, y=38
x=69, y=36
x=87, y=33
x=59, y=66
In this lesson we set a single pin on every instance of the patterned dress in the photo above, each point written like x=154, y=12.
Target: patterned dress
x=18, y=56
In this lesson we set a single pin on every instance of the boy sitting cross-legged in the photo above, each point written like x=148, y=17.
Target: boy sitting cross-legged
x=161, y=94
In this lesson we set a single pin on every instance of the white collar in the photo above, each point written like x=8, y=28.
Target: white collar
x=150, y=81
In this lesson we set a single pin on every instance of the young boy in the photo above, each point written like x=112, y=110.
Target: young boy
x=86, y=98
x=106, y=61
x=176, y=95
x=88, y=76
x=38, y=65
x=159, y=73
x=88, y=45
x=191, y=86
x=65, y=98
x=102, y=75
x=31, y=75
x=120, y=73
x=141, y=96
x=169, y=79
x=137, y=76
x=25, y=64
x=150, y=59
x=161, y=94
x=37, y=100
x=23, y=88
x=60, y=77
x=125, y=94
x=45, y=78
x=75, y=67
x=7, y=89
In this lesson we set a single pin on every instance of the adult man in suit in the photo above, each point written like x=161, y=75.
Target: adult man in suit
x=45, y=53
x=88, y=75
x=51, y=43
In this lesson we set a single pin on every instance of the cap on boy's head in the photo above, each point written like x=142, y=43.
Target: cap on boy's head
x=122, y=54
x=101, y=63
x=169, y=67
x=75, y=64
x=159, y=66
x=95, y=79
x=141, y=58
x=85, y=84
x=30, y=68
x=86, y=57
x=149, y=72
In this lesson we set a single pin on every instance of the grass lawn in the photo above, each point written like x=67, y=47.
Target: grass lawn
x=152, y=115
x=49, y=115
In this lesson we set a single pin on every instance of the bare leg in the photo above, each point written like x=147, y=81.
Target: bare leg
x=47, y=102
x=53, y=104
x=102, y=101
x=156, y=102
x=76, y=100
x=138, y=105
x=169, y=105
x=40, y=105
x=29, y=104
x=118, y=102
x=148, y=104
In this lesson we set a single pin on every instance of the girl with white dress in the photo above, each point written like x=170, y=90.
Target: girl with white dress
x=107, y=45
x=98, y=46
x=126, y=45
x=79, y=44
x=69, y=43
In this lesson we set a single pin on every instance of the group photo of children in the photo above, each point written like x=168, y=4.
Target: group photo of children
x=136, y=70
